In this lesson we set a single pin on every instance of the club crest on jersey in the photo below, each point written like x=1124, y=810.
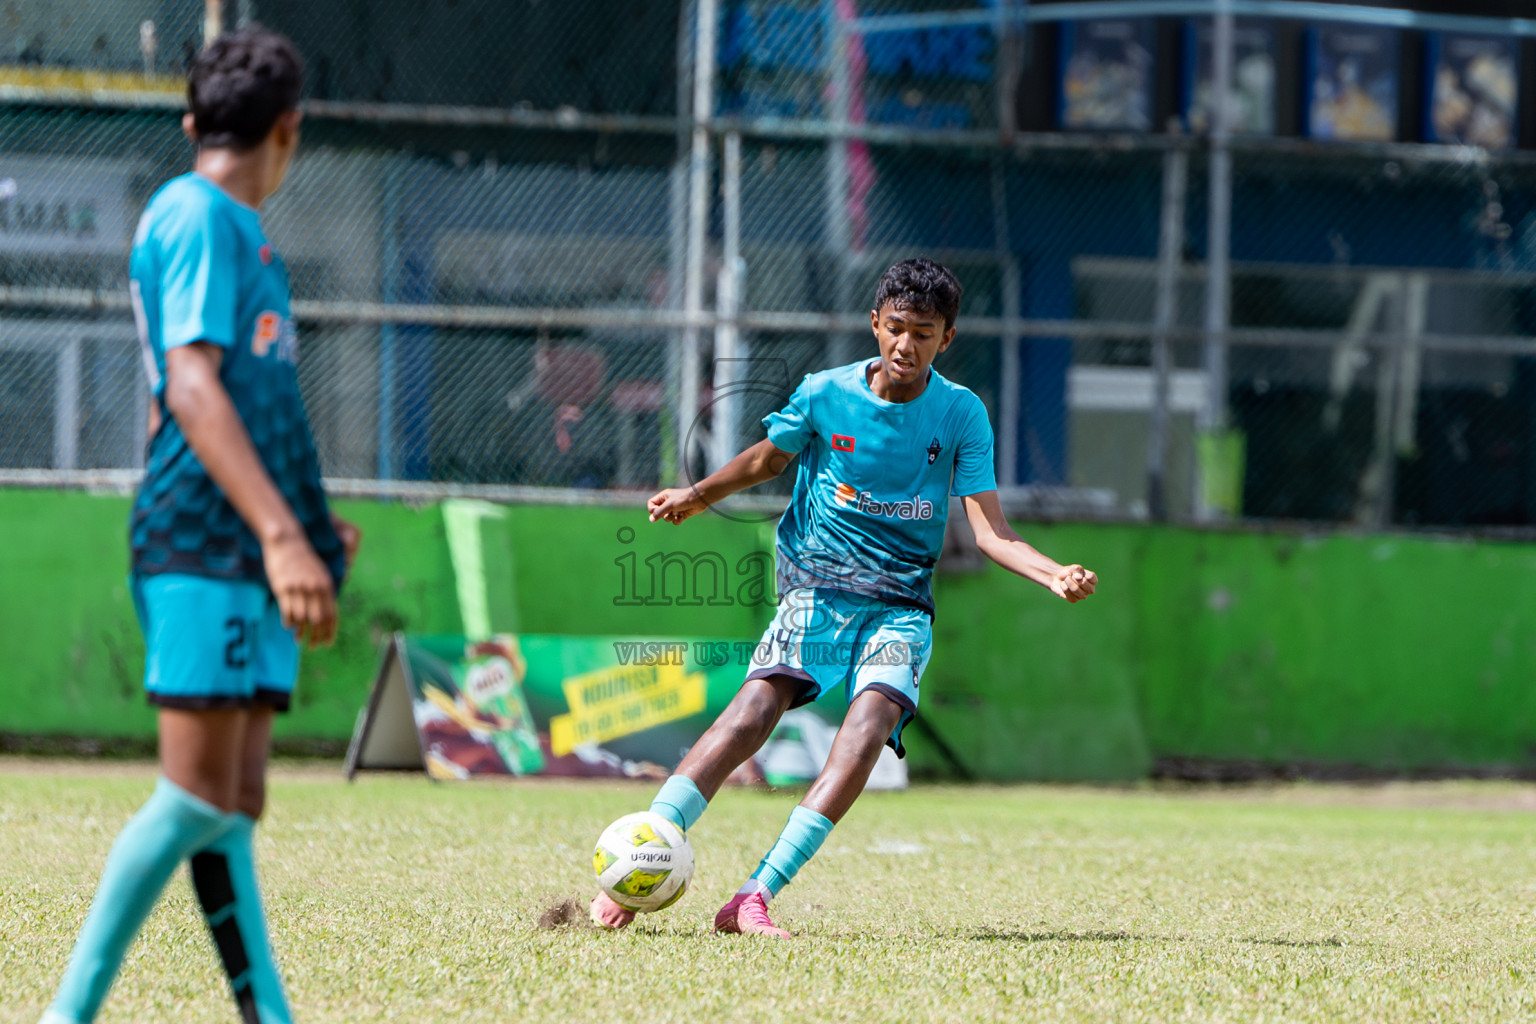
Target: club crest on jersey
x=842, y=443
x=265, y=254
x=272, y=328
x=933, y=450
x=863, y=501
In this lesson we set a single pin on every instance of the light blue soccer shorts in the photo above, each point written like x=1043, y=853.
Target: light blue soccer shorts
x=833, y=638
x=213, y=644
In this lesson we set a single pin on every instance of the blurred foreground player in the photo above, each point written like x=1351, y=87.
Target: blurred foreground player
x=883, y=443
x=236, y=557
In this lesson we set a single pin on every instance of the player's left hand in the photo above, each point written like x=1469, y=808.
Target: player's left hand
x=351, y=537
x=1073, y=583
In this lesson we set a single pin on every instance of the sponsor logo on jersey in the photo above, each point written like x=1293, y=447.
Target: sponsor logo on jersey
x=862, y=501
x=842, y=443
x=272, y=328
x=933, y=450
x=269, y=327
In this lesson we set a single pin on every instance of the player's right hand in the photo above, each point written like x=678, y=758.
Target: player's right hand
x=1074, y=583
x=303, y=588
x=675, y=504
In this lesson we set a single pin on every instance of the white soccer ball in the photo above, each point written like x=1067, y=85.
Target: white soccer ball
x=643, y=862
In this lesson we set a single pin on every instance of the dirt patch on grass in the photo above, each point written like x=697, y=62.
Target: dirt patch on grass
x=566, y=912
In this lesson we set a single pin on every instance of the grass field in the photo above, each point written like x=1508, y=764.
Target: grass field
x=395, y=899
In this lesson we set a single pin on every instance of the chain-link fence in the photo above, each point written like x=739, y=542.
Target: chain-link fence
x=590, y=246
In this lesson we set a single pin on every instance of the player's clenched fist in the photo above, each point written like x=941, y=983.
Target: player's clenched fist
x=1074, y=583
x=675, y=504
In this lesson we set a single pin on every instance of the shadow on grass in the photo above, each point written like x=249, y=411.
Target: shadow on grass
x=999, y=935
x=1331, y=941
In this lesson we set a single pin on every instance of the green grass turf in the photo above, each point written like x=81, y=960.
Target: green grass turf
x=395, y=899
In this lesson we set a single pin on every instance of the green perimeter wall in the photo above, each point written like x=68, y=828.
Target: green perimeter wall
x=1382, y=652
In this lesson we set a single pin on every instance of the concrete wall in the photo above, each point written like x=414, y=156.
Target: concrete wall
x=1378, y=652
x=74, y=657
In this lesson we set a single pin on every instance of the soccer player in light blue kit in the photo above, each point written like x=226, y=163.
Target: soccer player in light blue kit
x=882, y=445
x=236, y=556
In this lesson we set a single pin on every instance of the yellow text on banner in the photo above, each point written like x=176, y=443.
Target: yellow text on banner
x=614, y=702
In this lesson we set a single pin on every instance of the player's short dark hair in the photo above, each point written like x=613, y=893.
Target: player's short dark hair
x=921, y=286
x=240, y=85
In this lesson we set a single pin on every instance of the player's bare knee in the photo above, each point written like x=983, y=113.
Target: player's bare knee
x=758, y=707
x=870, y=742
x=875, y=714
x=785, y=690
x=752, y=720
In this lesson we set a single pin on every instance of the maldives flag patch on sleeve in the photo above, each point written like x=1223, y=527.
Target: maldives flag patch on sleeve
x=842, y=443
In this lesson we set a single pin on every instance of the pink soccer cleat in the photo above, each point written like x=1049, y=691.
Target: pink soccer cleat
x=747, y=915
x=608, y=914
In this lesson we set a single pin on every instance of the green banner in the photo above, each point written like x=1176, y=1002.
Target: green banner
x=572, y=706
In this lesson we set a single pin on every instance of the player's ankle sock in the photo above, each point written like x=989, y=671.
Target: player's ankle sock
x=224, y=875
x=171, y=824
x=680, y=802
x=797, y=844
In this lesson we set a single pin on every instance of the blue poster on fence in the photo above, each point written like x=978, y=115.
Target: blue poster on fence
x=1106, y=82
x=1474, y=82
x=1251, y=101
x=1352, y=83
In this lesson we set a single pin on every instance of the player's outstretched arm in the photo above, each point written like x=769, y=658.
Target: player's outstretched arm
x=759, y=463
x=299, y=580
x=998, y=541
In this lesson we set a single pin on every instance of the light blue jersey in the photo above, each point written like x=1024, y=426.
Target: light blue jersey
x=872, y=489
x=202, y=270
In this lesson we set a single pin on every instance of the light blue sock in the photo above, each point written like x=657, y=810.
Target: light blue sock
x=797, y=844
x=680, y=802
x=224, y=875
x=171, y=824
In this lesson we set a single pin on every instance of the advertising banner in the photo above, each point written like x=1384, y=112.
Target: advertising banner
x=1251, y=103
x=614, y=707
x=773, y=60
x=1352, y=83
x=1107, y=74
x=52, y=206
x=1474, y=82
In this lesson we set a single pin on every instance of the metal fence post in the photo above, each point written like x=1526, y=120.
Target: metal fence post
x=389, y=272
x=66, y=405
x=1378, y=482
x=1410, y=364
x=1010, y=370
x=142, y=399
x=1170, y=254
x=213, y=20
x=698, y=223
x=1010, y=58
x=1007, y=29
x=677, y=246
x=840, y=85
x=1213, y=413
x=726, y=410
